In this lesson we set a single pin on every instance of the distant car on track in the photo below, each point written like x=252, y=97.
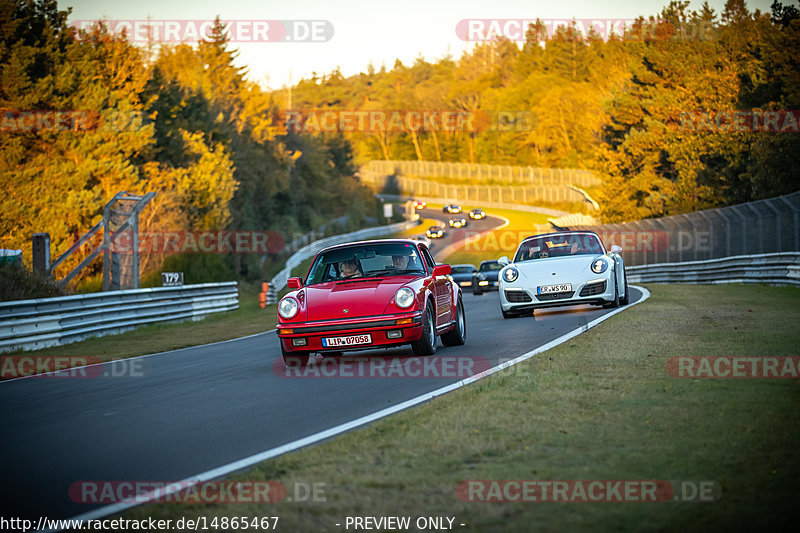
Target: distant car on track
x=565, y=268
x=452, y=209
x=418, y=204
x=486, y=278
x=367, y=295
x=457, y=222
x=462, y=274
x=477, y=214
x=435, y=232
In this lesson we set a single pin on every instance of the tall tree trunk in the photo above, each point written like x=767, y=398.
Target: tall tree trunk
x=415, y=140
x=436, y=144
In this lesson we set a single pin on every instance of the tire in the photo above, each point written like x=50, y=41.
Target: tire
x=426, y=345
x=458, y=336
x=615, y=303
x=476, y=291
x=626, y=299
x=294, y=359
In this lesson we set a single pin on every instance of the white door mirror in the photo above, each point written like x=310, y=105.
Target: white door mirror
x=615, y=249
x=503, y=261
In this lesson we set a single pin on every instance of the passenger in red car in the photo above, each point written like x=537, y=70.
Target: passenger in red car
x=349, y=269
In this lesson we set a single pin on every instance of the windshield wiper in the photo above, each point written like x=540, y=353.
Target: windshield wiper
x=356, y=280
x=394, y=272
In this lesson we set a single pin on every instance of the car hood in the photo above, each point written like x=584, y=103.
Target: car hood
x=368, y=297
x=558, y=268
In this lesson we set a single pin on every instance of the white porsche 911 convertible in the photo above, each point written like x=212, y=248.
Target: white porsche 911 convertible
x=564, y=268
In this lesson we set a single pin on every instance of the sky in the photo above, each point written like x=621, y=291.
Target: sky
x=352, y=34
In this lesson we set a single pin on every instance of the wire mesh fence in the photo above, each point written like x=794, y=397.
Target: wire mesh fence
x=474, y=172
x=765, y=226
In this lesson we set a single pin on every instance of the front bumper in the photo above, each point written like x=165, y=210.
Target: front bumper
x=378, y=327
x=593, y=292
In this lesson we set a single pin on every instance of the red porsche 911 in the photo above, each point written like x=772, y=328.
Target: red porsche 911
x=368, y=295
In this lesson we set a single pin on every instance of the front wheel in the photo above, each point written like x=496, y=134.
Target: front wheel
x=626, y=298
x=458, y=336
x=426, y=345
x=615, y=302
x=294, y=359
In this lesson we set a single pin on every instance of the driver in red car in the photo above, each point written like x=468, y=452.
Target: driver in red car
x=400, y=262
x=348, y=269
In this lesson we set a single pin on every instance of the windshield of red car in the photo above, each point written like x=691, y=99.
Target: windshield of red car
x=559, y=245
x=370, y=260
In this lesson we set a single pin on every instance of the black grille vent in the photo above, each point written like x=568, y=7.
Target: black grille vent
x=594, y=288
x=517, y=297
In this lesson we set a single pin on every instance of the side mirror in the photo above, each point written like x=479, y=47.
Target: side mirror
x=615, y=249
x=294, y=283
x=441, y=270
x=503, y=261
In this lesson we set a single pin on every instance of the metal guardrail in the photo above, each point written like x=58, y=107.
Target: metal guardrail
x=34, y=324
x=306, y=252
x=775, y=268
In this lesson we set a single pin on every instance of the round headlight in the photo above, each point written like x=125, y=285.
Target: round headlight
x=287, y=308
x=599, y=266
x=404, y=297
x=510, y=274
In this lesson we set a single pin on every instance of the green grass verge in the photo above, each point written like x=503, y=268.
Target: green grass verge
x=246, y=320
x=600, y=406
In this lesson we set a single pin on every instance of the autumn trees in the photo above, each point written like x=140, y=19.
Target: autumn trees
x=183, y=122
x=614, y=105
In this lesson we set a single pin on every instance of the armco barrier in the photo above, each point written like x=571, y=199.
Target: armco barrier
x=34, y=324
x=776, y=268
x=306, y=252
